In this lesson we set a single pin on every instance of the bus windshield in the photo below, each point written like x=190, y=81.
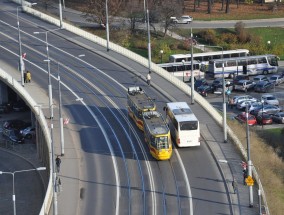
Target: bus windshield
x=191, y=125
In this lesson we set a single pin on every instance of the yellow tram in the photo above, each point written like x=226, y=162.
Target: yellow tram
x=139, y=102
x=157, y=135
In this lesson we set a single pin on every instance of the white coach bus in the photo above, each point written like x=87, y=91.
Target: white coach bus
x=183, y=124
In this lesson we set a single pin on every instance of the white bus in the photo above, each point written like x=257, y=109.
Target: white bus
x=183, y=124
x=205, y=57
x=182, y=70
x=250, y=65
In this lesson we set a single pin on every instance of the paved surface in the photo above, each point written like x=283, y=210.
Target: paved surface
x=211, y=133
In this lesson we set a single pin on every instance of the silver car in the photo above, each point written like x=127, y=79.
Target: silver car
x=182, y=20
x=270, y=99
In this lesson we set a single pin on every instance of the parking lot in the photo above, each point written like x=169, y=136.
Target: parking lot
x=217, y=99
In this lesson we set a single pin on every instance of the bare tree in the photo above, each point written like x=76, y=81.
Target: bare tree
x=227, y=6
x=166, y=11
x=95, y=10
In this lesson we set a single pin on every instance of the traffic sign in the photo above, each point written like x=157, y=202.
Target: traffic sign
x=249, y=181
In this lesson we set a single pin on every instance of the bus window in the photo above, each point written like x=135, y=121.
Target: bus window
x=234, y=55
x=252, y=61
x=226, y=56
x=242, y=62
x=193, y=125
x=231, y=63
x=262, y=60
x=272, y=61
x=217, y=56
x=219, y=65
x=198, y=59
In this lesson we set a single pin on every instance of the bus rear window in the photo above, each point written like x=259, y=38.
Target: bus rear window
x=188, y=125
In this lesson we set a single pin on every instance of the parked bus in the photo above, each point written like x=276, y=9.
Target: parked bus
x=183, y=124
x=138, y=102
x=157, y=135
x=205, y=57
x=182, y=70
x=251, y=65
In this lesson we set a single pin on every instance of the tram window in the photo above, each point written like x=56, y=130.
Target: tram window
x=198, y=59
x=226, y=56
x=206, y=58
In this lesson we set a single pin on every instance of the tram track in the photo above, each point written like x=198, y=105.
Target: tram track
x=142, y=146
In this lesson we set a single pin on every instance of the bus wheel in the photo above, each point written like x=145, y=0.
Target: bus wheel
x=265, y=72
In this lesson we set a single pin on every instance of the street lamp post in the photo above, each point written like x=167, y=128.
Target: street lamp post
x=262, y=104
x=249, y=161
x=161, y=53
x=60, y=14
x=60, y=113
x=224, y=96
x=183, y=61
x=48, y=69
x=13, y=174
x=192, y=78
x=107, y=26
x=21, y=61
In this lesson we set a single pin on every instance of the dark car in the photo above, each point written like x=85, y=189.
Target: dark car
x=217, y=83
x=205, y=89
x=278, y=117
x=200, y=82
x=14, y=125
x=264, y=119
x=263, y=86
x=237, y=78
x=15, y=137
x=20, y=106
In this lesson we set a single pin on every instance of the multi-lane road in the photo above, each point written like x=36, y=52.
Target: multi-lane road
x=115, y=173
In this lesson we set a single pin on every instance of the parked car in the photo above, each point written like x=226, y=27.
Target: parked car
x=185, y=19
x=245, y=85
x=263, y=86
x=255, y=105
x=259, y=78
x=205, y=89
x=237, y=78
x=270, y=99
x=278, y=117
x=15, y=136
x=240, y=98
x=270, y=109
x=242, y=118
x=264, y=119
x=217, y=83
x=243, y=104
x=14, y=125
x=28, y=132
x=20, y=106
x=200, y=82
x=277, y=79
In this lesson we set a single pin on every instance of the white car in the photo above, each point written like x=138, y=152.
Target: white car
x=277, y=79
x=243, y=104
x=239, y=98
x=185, y=19
x=270, y=99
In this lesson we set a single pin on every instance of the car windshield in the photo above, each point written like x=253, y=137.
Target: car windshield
x=271, y=98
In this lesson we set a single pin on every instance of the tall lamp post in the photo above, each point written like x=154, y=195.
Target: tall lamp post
x=148, y=32
x=21, y=61
x=13, y=174
x=55, y=209
x=60, y=14
x=192, y=78
x=249, y=161
x=183, y=63
x=48, y=69
x=262, y=104
x=107, y=26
